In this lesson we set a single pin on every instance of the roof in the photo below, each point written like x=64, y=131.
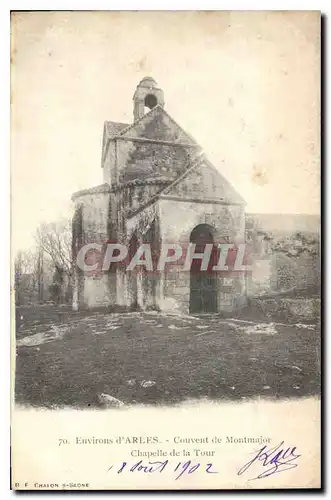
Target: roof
x=102, y=188
x=159, y=109
x=147, y=81
x=114, y=128
x=200, y=159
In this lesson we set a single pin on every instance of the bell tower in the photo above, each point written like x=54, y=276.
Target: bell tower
x=147, y=95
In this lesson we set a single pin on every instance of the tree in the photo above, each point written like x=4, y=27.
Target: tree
x=55, y=240
x=28, y=276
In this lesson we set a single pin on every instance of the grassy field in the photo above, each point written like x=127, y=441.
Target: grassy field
x=67, y=359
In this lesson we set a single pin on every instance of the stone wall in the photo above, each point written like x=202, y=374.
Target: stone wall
x=286, y=308
x=159, y=149
x=93, y=289
x=301, y=271
x=109, y=163
x=262, y=277
x=285, y=251
x=151, y=160
x=204, y=182
x=99, y=291
x=177, y=220
x=158, y=125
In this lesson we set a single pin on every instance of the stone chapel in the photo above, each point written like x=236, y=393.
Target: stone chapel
x=158, y=185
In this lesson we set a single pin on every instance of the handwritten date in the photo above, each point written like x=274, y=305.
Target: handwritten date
x=180, y=469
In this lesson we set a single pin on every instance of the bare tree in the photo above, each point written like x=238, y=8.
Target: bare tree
x=27, y=275
x=55, y=240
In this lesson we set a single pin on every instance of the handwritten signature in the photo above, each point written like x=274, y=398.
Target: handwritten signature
x=150, y=467
x=276, y=460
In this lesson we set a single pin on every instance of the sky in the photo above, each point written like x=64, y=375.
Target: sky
x=245, y=85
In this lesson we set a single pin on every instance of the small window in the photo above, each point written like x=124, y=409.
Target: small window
x=150, y=101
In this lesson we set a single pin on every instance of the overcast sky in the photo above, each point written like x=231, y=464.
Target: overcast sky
x=244, y=85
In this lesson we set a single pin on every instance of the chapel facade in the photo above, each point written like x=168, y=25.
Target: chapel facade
x=158, y=186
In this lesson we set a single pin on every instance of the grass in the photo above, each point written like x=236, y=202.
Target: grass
x=186, y=357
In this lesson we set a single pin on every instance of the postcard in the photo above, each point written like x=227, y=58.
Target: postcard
x=166, y=271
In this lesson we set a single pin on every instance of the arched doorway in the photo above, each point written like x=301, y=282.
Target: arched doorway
x=203, y=283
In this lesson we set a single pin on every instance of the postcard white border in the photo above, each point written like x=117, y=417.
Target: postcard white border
x=6, y=6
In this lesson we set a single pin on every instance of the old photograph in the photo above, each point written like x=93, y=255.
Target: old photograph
x=166, y=219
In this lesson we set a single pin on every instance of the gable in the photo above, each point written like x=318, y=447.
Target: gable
x=204, y=182
x=158, y=125
x=150, y=160
x=110, y=130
